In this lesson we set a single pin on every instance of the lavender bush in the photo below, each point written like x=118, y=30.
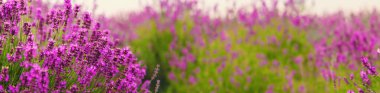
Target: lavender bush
x=62, y=49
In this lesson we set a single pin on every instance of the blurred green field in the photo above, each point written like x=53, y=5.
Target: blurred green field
x=263, y=50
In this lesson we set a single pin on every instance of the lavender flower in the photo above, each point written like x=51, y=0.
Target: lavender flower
x=371, y=69
x=4, y=76
x=365, y=79
x=76, y=10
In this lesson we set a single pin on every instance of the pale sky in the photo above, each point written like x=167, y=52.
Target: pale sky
x=111, y=7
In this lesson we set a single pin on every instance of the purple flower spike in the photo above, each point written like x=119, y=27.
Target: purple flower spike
x=371, y=69
x=365, y=79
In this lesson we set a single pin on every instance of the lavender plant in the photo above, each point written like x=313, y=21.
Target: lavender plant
x=62, y=50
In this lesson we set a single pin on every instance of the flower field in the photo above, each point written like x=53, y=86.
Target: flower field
x=178, y=48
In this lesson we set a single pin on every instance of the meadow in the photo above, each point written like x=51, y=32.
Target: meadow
x=179, y=48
